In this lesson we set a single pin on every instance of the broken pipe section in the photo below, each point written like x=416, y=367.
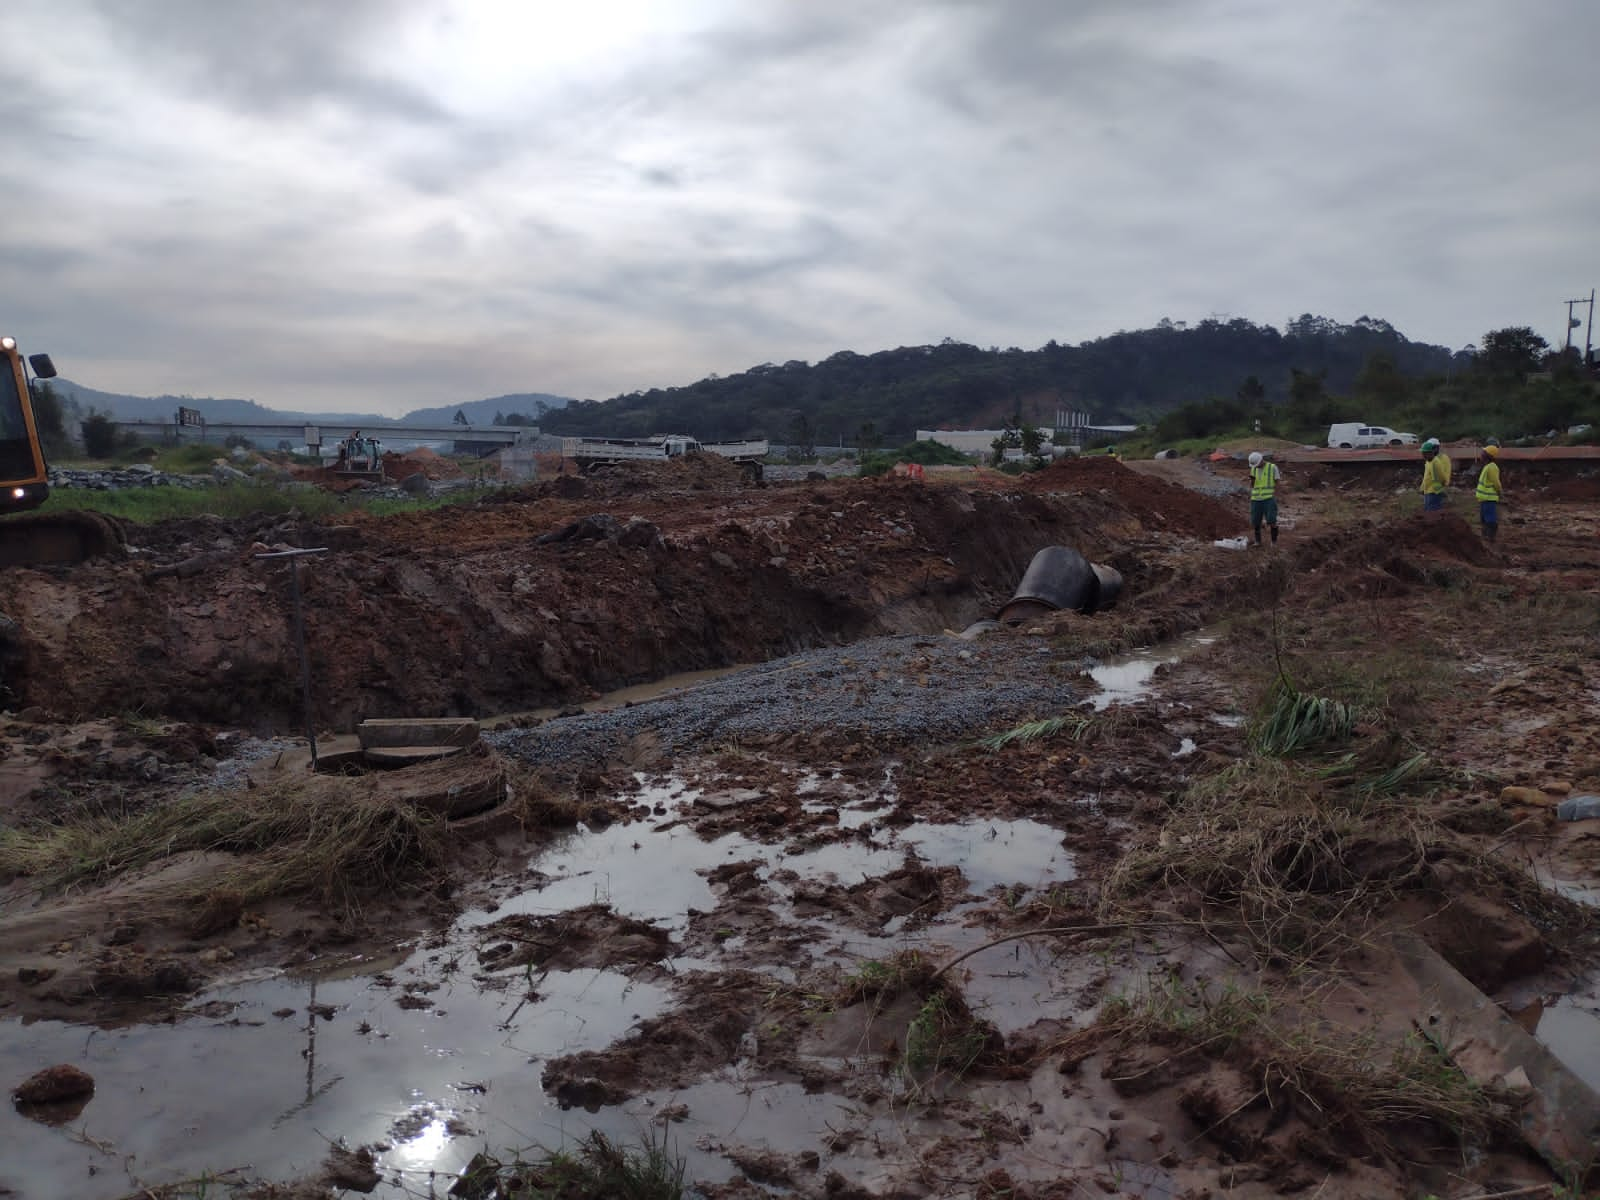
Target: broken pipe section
x=1059, y=578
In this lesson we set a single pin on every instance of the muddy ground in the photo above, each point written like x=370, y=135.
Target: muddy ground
x=713, y=914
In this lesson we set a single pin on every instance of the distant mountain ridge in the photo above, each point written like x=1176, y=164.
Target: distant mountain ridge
x=161, y=408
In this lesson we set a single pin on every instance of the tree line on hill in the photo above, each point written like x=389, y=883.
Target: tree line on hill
x=1511, y=385
x=1123, y=378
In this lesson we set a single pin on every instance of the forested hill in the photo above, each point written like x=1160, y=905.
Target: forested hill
x=1125, y=377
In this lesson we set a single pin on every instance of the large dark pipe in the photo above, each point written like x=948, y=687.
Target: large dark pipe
x=1059, y=578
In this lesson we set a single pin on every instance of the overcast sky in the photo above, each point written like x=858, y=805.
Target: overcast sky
x=386, y=204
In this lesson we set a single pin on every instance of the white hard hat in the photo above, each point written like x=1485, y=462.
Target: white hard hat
x=1255, y=458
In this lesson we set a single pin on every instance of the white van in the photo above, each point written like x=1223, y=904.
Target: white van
x=1353, y=435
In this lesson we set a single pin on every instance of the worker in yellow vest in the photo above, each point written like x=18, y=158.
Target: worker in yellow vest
x=1489, y=491
x=1435, y=477
x=1445, y=467
x=1263, y=495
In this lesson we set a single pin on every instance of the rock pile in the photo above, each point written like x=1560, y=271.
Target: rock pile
x=106, y=479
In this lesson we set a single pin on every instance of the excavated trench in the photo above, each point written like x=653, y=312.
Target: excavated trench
x=415, y=618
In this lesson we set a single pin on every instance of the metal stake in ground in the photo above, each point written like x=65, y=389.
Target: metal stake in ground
x=300, y=635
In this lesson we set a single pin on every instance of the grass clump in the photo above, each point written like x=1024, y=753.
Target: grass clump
x=324, y=837
x=1292, y=721
x=945, y=1036
x=595, y=1169
x=1036, y=731
x=1358, y=1082
x=1306, y=863
x=886, y=977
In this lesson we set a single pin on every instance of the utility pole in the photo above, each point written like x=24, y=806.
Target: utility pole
x=1588, y=338
x=1588, y=334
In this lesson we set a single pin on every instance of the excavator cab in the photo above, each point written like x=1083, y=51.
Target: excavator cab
x=47, y=538
x=23, y=482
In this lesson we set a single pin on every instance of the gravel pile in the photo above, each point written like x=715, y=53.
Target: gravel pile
x=1216, y=485
x=230, y=772
x=912, y=687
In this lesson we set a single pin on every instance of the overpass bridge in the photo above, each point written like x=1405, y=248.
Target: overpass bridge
x=313, y=435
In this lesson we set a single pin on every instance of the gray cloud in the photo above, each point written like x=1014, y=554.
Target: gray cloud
x=395, y=203
x=273, y=58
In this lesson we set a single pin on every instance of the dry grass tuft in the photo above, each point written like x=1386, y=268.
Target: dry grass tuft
x=1304, y=864
x=325, y=838
x=1354, y=1084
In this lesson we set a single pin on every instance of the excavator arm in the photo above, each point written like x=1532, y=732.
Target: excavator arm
x=23, y=482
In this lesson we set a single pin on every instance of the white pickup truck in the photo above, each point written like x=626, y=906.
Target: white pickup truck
x=590, y=453
x=1357, y=435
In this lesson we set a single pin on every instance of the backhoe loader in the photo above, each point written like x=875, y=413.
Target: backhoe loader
x=35, y=539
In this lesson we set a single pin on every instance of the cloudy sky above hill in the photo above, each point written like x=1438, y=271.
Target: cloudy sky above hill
x=386, y=204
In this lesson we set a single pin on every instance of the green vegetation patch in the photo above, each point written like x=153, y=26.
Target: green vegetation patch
x=595, y=1169
x=927, y=453
x=146, y=505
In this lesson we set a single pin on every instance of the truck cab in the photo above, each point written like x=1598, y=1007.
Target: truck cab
x=678, y=444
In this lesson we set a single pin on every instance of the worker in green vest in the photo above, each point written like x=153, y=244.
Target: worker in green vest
x=1489, y=491
x=1263, y=495
x=1435, y=477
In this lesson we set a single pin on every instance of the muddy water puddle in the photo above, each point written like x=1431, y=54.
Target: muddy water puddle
x=244, y=1086
x=1568, y=1023
x=1570, y=1028
x=1127, y=678
x=420, y=1054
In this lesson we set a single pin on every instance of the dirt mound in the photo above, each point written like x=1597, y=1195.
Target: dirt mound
x=1586, y=488
x=1445, y=536
x=1159, y=505
x=421, y=461
x=694, y=473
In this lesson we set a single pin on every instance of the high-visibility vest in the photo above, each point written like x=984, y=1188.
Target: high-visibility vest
x=1489, y=482
x=1263, y=480
x=1433, y=479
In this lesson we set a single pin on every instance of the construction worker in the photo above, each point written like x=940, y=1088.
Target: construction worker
x=1444, y=466
x=1263, y=495
x=1489, y=491
x=1435, y=477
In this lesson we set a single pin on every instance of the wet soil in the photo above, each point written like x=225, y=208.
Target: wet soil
x=731, y=939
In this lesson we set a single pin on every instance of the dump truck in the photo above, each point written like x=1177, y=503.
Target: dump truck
x=594, y=453
x=36, y=539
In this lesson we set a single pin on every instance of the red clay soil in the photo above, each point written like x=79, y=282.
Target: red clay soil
x=1161, y=505
x=421, y=461
x=464, y=610
x=396, y=467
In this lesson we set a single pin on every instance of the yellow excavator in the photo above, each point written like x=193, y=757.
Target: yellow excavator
x=64, y=536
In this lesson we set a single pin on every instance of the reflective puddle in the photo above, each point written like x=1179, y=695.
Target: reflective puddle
x=246, y=1086
x=1126, y=678
x=435, y=1063
x=1569, y=1026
